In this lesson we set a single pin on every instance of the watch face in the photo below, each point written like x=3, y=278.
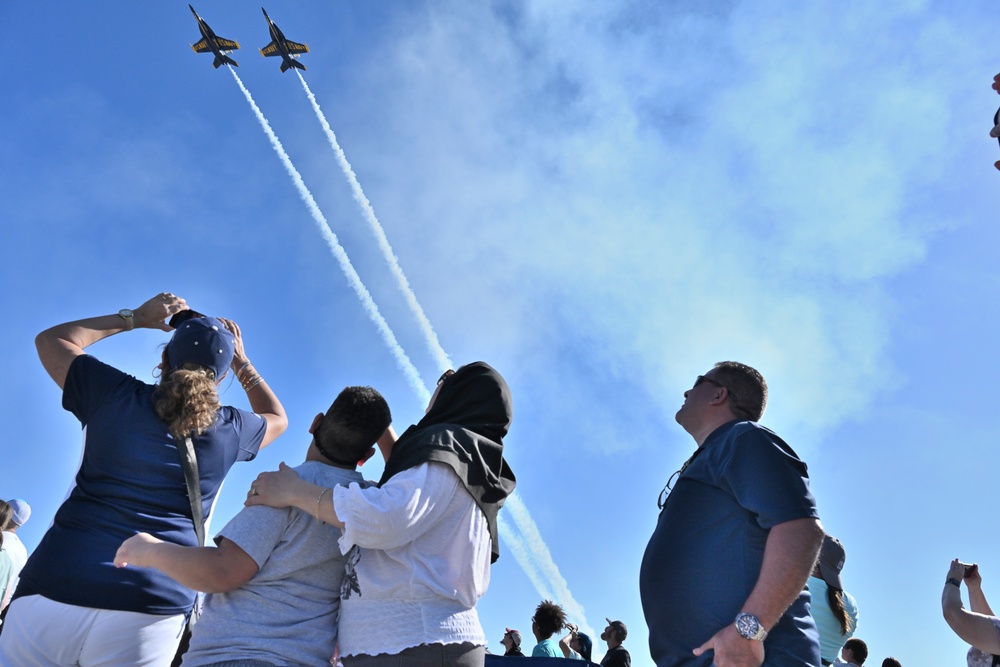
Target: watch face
x=747, y=625
x=125, y=312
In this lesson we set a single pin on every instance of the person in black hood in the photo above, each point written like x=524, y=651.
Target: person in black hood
x=426, y=534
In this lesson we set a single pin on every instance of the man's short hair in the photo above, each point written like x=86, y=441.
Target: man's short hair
x=357, y=418
x=858, y=648
x=549, y=617
x=746, y=387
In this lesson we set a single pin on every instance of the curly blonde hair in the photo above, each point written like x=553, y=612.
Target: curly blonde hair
x=187, y=400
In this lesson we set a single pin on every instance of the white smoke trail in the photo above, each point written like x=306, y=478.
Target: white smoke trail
x=543, y=560
x=443, y=362
x=528, y=548
x=519, y=550
x=526, y=543
x=339, y=253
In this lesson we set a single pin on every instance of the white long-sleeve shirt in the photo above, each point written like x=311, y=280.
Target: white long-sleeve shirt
x=423, y=563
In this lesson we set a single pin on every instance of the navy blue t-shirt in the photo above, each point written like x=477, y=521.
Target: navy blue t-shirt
x=706, y=552
x=130, y=480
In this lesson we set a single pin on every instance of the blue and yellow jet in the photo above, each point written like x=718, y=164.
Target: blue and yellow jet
x=209, y=41
x=280, y=46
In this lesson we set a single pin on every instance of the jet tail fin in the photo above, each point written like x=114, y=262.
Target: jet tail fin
x=292, y=63
x=224, y=60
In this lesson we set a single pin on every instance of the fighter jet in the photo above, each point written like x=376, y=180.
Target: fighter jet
x=209, y=41
x=280, y=46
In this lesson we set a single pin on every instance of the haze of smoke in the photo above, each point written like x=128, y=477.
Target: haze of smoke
x=543, y=559
x=412, y=376
x=441, y=357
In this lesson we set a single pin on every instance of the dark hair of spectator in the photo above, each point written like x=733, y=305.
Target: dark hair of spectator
x=549, y=617
x=835, y=597
x=357, y=418
x=747, y=389
x=858, y=648
x=891, y=662
x=6, y=515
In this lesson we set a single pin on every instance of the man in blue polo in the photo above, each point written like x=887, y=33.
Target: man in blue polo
x=723, y=575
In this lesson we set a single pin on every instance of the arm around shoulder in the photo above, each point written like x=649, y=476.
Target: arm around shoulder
x=207, y=569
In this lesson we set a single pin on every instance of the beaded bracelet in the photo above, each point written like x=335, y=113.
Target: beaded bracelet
x=251, y=384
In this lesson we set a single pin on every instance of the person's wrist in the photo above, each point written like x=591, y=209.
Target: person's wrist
x=953, y=581
x=130, y=318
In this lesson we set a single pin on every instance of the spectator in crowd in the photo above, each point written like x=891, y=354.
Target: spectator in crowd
x=855, y=652
x=427, y=533
x=13, y=555
x=6, y=563
x=833, y=608
x=576, y=644
x=740, y=518
x=275, y=576
x=995, y=132
x=72, y=606
x=891, y=662
x=512, y=643
x=614, y=634
x=549, y=619
x=977, y=626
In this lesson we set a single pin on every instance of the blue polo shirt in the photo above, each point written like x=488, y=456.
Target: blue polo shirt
x=705, y=554
x=130, y=480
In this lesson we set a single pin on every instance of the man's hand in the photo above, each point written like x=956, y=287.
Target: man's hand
x=732, y=649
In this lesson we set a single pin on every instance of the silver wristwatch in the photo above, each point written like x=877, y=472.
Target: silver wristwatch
x=749, y=627
x=129, y=318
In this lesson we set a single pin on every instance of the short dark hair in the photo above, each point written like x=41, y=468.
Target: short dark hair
x=858, y=648
x=357, y=418
x=549, y=617
x=891, y=662
x=746, y=387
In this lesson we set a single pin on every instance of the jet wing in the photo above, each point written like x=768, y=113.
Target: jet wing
x=201, y=46
x=270, y=50
x=227, y=44
x=295, y=47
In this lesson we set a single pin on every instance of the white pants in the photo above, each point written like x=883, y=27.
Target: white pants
x=39, y=632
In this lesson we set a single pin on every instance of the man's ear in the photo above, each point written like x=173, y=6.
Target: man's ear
x=720, y=396
x=317, y=420
x=371, y=453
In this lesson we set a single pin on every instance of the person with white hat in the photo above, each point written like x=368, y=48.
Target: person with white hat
x=13, y=554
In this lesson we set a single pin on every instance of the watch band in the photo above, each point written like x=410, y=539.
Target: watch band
x=129, y=318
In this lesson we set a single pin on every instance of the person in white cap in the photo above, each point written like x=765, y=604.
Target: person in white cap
x=13, y=551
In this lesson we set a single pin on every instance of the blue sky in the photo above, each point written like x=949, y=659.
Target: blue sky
x=599, y=199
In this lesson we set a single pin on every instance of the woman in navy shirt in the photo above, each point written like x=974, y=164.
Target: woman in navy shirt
x=72, y=606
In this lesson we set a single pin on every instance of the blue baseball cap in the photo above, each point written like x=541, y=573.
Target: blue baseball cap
x=202, y=340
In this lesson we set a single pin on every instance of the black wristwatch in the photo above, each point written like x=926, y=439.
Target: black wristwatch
x=749, y=627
